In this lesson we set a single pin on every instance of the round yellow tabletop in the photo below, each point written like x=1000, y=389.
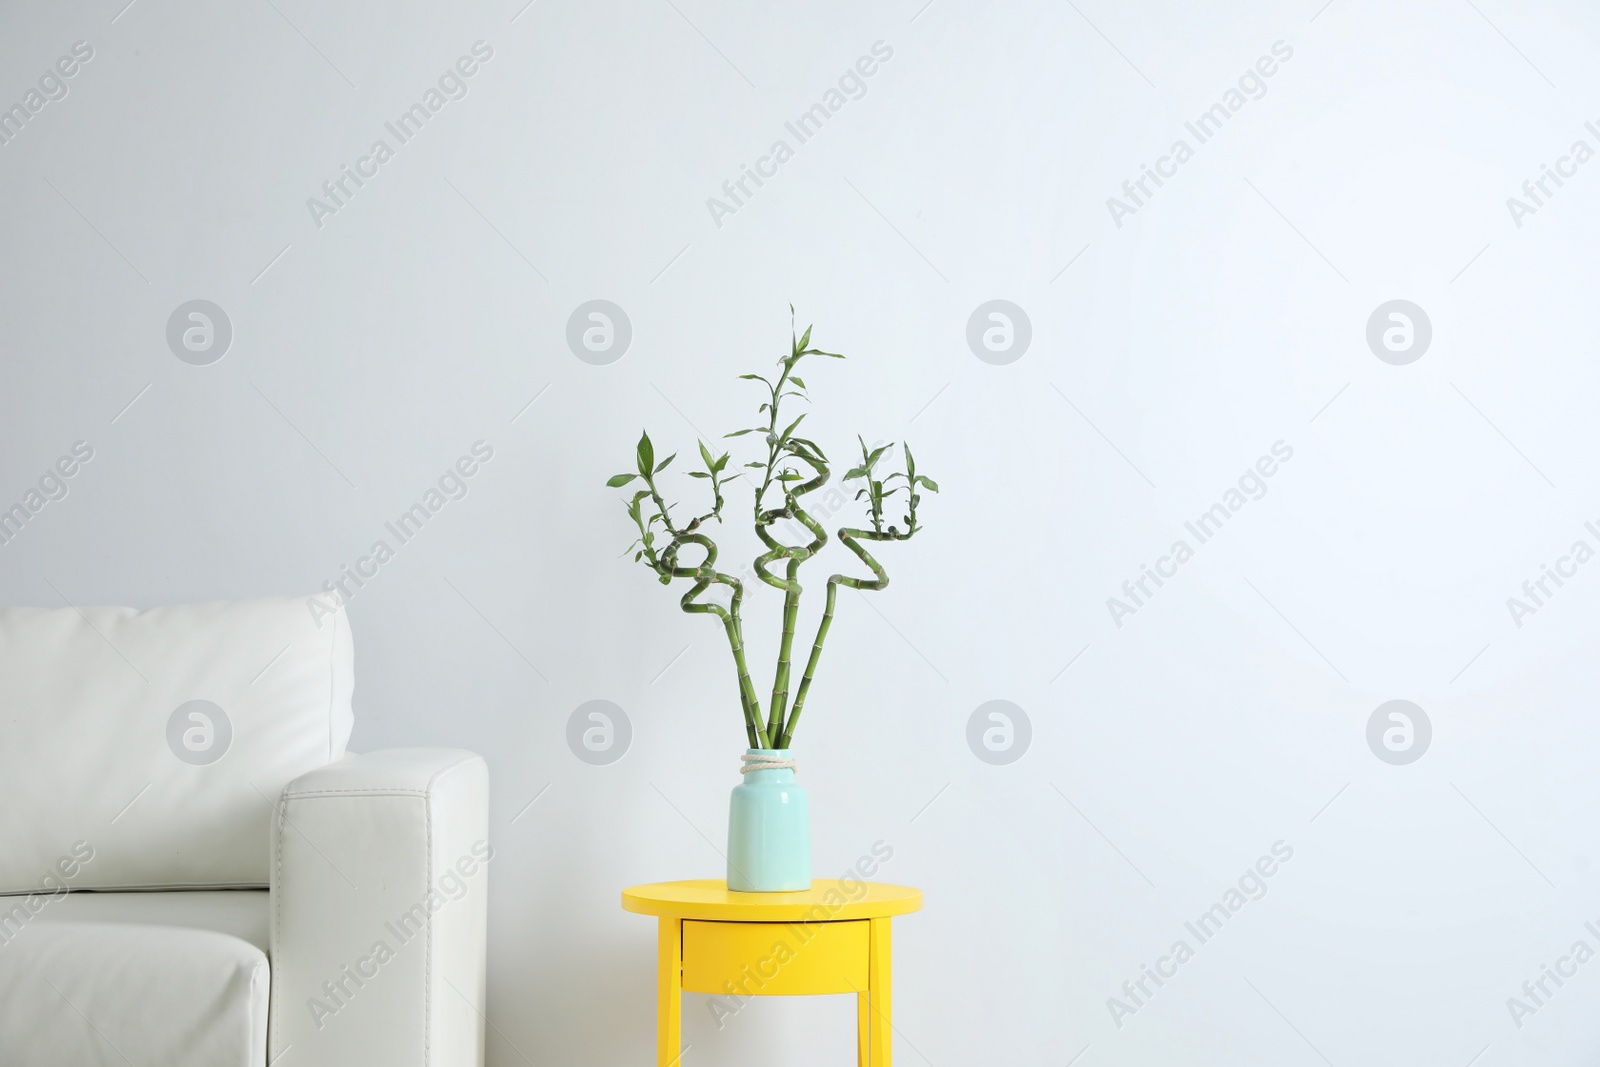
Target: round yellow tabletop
x=828, y=898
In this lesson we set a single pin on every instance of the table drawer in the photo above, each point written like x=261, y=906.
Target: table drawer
x=775, y=959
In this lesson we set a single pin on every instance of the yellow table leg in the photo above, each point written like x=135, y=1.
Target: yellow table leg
x=880, y=991
x=863, y=1030
x=669, y=992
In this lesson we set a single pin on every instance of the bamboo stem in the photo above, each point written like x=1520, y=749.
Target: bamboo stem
x=811, y=664
x=704, y=575
x=780, y=681
x=851, y=539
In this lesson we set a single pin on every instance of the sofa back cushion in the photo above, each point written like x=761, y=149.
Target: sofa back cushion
x=146, y=749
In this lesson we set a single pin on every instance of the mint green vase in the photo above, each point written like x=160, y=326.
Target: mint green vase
x=769, y=827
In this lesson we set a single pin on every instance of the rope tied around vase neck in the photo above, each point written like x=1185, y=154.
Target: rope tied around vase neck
x=752, y=761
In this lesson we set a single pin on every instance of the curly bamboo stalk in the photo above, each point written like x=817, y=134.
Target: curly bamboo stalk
x=781, y=447
x=705, y=575
x=851, y=539
x=790, y=584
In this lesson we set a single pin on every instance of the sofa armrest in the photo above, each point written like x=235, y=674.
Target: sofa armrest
x=379, y=912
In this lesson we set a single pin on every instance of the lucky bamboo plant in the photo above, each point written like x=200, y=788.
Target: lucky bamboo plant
x=785, y=480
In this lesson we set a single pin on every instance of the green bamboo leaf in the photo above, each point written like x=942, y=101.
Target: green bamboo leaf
x=618, y=480
x=754, y=377
x=751, y=429
x=698, y=474
x=796, y=380
x=705, y=454
x=805, y=338
x=855, y=472
x=928, y=483
x=784, y=436
x=645, y=454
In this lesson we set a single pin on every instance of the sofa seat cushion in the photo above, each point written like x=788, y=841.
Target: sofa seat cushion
x=91, y=994
x=242, y=913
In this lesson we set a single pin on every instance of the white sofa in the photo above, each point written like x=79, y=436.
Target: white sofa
x=194, y=872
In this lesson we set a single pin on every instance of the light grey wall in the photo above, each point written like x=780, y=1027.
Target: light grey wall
x=1171, y=347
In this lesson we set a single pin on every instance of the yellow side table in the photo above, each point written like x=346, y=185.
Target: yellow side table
x=832, y=938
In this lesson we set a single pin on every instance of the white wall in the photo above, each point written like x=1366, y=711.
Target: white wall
x=1228, y=313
